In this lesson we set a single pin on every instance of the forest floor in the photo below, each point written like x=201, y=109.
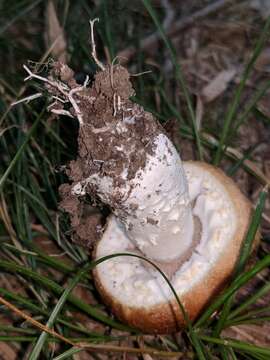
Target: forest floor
x=223, y=50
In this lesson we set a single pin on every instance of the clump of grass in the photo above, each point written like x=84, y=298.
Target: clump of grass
x=32, y=146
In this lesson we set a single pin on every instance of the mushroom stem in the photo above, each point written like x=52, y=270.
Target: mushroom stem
x=159, y=218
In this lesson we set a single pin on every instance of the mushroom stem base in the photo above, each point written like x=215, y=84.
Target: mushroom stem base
x=170, y=267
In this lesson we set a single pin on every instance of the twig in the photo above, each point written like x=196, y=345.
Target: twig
x=93, y=45
x=94, y=347
x=2, y=131
x=62, y=87
x=236, y=154
x=264, y=216
x=114, y=105
x=64, y=90
x=179, y=25
x=62, y=112
x=86, y=81
x=27, y=99
x=74, y=104
x=34, y=322
x=141, y=73
x=23, y=88
x=126, y=349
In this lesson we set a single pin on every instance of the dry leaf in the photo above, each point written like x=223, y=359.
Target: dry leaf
x=7, y=352
x=82, y=355
x=54, y=34
x=262, y=6
x=264, y=105
x=254, y=334
x=199, y=112
x=263, y=61
x=147, y=357
x=218, y=85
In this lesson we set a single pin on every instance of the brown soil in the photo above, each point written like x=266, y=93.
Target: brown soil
x=116, y=135
x=86, y=222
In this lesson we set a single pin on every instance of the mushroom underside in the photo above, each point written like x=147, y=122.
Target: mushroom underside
x=139, y=295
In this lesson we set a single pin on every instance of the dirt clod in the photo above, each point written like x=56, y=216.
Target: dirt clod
x=86, y=222
x=115, y=137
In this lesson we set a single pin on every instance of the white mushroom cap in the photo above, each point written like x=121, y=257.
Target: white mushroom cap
x=139, y=295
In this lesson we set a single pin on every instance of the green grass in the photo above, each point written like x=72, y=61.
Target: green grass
x=32, y=146
x=232, y=109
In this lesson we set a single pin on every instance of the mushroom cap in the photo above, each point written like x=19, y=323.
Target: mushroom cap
x=164, y=316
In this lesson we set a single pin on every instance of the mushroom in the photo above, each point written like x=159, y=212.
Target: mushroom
x=189, y=218
x=199, y=225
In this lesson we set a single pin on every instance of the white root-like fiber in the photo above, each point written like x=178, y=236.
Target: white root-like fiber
x=64, y=90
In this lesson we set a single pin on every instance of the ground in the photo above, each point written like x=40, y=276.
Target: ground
x=213, y=42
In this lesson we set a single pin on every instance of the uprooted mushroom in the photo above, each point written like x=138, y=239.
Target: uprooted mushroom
x=188, y=218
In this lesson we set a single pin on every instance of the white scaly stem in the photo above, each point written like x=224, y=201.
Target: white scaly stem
x=156, y=210
x=163, y=226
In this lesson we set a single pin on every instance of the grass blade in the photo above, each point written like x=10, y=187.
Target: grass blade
x=14, y=329
x=237, y=283
x=249, y=321
x=58, y=290
x=43, y=258
x=239, y=345
x=244, y=254
x=22, y=13
x=93, y=312
x=100, y=347
x=233, y=107
x=193, y=336
x=251, y=300
x=66, y=321
x=261, y=92
x=253, y=228
x=56, y=311
x=179, y=75
x=20, y=150
x=239, y=163
x=68, y=354
x=232, y=354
